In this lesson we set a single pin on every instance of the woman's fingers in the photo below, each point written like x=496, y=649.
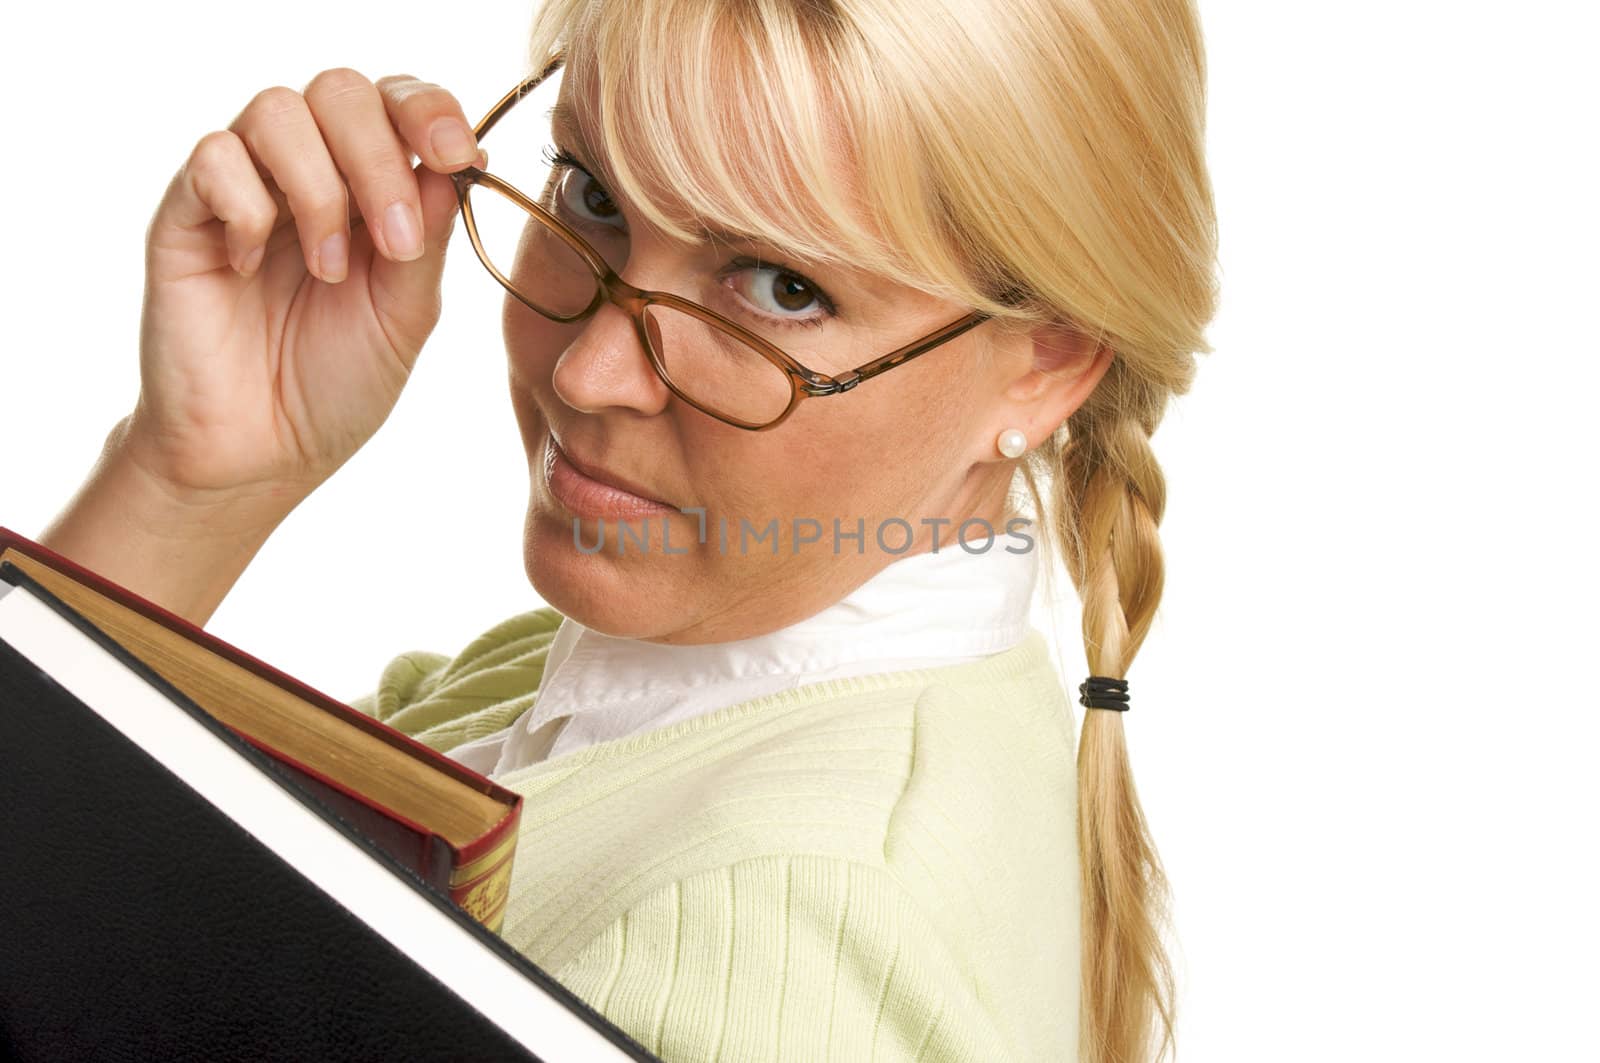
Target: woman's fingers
x=430, y=121
x=278, y=128
x=342, y=150
x=220, y=181
x=356, y=127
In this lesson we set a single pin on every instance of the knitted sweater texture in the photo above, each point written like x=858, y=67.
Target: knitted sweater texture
x=881, y=867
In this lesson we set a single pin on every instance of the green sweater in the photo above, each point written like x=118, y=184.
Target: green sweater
x=882, y=867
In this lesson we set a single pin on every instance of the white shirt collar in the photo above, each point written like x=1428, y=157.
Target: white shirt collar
x=923, y=610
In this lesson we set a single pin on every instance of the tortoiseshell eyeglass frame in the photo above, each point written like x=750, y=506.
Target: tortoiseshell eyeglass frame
x=803, y=382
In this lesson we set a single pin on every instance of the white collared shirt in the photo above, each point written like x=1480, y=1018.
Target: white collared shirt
x=924, y=610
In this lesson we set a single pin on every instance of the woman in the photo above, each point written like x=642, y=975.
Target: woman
x=807, y=791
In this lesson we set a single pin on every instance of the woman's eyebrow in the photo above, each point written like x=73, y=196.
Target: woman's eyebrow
x=565, y=131
x=564, y=126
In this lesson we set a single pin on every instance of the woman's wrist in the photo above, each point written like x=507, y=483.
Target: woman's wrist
x=175, y=511
x=182, y=550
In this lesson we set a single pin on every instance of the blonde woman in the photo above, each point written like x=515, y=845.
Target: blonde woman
x=813, y=304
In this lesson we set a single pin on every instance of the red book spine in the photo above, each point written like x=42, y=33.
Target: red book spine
x=476, y=876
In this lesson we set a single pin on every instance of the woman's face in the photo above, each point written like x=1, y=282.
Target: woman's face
x=917, y=443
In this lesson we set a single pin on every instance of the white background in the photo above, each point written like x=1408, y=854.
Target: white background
x=1362, y=729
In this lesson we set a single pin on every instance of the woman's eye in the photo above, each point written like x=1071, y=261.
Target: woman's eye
x=779, y=293
x=582, y=194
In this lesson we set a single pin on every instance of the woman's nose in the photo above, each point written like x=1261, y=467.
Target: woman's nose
x=606, y=366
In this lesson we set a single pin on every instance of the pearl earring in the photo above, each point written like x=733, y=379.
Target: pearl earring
x=1012, y=442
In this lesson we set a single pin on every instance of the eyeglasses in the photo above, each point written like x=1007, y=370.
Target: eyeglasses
x=731, y=370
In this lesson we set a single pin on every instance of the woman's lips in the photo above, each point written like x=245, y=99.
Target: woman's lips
x=588, y=497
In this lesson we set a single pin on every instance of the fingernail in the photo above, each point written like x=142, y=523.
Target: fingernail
x=253, y=260
x=401, y=232
x=332, y=255
x=452, y=142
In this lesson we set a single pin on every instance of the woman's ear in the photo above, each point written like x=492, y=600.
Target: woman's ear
x=1067, y=365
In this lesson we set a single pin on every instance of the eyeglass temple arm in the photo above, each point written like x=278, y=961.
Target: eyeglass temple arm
x=825, y=385
x=498, y=110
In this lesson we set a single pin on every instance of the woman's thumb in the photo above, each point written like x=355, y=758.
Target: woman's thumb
x=405, y=286
x=439, y=209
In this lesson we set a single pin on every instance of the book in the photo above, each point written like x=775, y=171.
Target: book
x=452, y=826
x=174, y=890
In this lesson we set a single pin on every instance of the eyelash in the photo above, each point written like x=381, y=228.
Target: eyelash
x=562, y=159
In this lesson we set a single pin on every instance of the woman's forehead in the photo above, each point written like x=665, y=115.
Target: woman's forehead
x=568, y=132
x=699, y=172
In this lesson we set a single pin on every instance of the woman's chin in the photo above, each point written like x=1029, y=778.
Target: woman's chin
x=596, y=587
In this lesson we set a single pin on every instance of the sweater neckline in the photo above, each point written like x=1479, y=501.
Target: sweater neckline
x=1031, y=654
x=922, y=610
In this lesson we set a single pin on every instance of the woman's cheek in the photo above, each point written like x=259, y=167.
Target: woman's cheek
x=532, y=344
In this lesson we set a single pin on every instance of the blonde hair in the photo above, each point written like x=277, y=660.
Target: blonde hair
x=1040, y=160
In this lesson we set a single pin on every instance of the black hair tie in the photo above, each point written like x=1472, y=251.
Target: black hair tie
x=1103, y=692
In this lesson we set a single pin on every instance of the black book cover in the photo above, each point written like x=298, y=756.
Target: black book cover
x=140, y=922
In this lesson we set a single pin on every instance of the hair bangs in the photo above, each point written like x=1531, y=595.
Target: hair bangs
x=718, y=119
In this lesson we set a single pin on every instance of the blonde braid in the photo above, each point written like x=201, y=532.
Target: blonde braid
x=1103, y=518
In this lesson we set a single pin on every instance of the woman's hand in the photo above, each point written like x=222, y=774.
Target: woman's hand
x=291, y=277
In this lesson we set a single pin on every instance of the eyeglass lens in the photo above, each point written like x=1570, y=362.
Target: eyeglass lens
x=711, y=366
